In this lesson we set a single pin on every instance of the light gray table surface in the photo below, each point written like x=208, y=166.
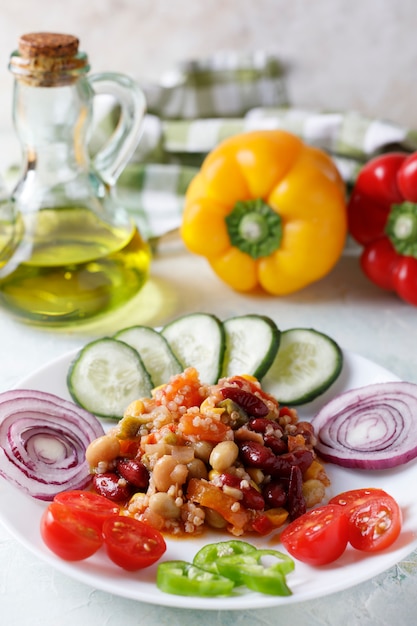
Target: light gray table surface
x=345, y=305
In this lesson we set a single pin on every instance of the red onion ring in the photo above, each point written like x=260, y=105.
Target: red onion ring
x=372, y=428
x=43, y=439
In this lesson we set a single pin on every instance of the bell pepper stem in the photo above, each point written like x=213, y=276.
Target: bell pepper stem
x=254, y=227
x=401, y=228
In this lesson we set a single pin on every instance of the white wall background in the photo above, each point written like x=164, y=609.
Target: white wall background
x=343, y=54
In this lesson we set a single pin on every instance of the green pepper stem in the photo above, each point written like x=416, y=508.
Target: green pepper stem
x=401, y=228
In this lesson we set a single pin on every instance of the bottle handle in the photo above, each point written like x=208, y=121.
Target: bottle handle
x=112, y=158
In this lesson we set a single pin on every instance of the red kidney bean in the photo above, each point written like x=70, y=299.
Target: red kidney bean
x=296, y=502
x=275, y=494
x=257, y=455
x=230, y=480
x=303, y=459
x=307, y=430
x=269, y=429
x=284, y=463
x=246, y=400
x=252, y=499
x=110, y=485
x=262, y=457
x=134, y=472
x=263, y=424
x=277, y=445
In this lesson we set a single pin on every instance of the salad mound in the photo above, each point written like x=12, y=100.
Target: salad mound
x=225, y=456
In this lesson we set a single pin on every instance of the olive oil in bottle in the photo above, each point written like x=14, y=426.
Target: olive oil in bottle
x=79, y=267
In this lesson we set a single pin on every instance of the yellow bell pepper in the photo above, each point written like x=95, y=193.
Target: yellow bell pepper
x=266, y=209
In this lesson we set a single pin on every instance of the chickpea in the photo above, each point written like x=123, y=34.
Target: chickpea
x=180, y=474
x=197, y=469
x=164, y=505
x=167, y=471
x=313, y=492
x=105, y=448
x=202, y=450
x=223, y=455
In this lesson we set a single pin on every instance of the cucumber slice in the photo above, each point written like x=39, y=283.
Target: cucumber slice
x=307, y=363
x=106, y=376
x=154, y=350
x=198, y=340
x=252, y=343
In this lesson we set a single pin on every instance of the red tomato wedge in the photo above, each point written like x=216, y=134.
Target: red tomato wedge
x=132, y=544
x=319, y=536
x=91, y=507
x=68, y=536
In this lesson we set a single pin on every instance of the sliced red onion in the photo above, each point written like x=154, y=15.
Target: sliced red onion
x=43, y=439
x=373, y=427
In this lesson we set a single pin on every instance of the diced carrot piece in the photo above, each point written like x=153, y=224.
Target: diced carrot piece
x=204, y=493
x=183, y=389
x=197, y=427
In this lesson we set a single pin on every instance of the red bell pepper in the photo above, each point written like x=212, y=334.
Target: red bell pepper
x=382, y=216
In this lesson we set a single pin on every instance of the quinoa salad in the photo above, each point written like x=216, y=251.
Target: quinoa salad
x=194, y=456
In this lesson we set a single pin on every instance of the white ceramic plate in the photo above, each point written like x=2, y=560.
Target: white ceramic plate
x=21, y=514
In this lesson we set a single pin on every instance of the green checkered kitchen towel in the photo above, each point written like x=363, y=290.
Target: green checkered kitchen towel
x=200, y=103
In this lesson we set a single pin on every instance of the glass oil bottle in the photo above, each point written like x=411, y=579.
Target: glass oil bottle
x=68, y=251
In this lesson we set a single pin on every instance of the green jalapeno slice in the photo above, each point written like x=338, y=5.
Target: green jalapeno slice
x=186, y=579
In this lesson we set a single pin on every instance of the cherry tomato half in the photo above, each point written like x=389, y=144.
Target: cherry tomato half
x=374, y=518
x=374, y=523
x=91, y=507
x=67, y=535
x=354, y=497
x=132, y=544
x=319, y=536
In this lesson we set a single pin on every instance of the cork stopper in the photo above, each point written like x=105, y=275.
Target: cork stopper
x=48, y=59
x=52, y=45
